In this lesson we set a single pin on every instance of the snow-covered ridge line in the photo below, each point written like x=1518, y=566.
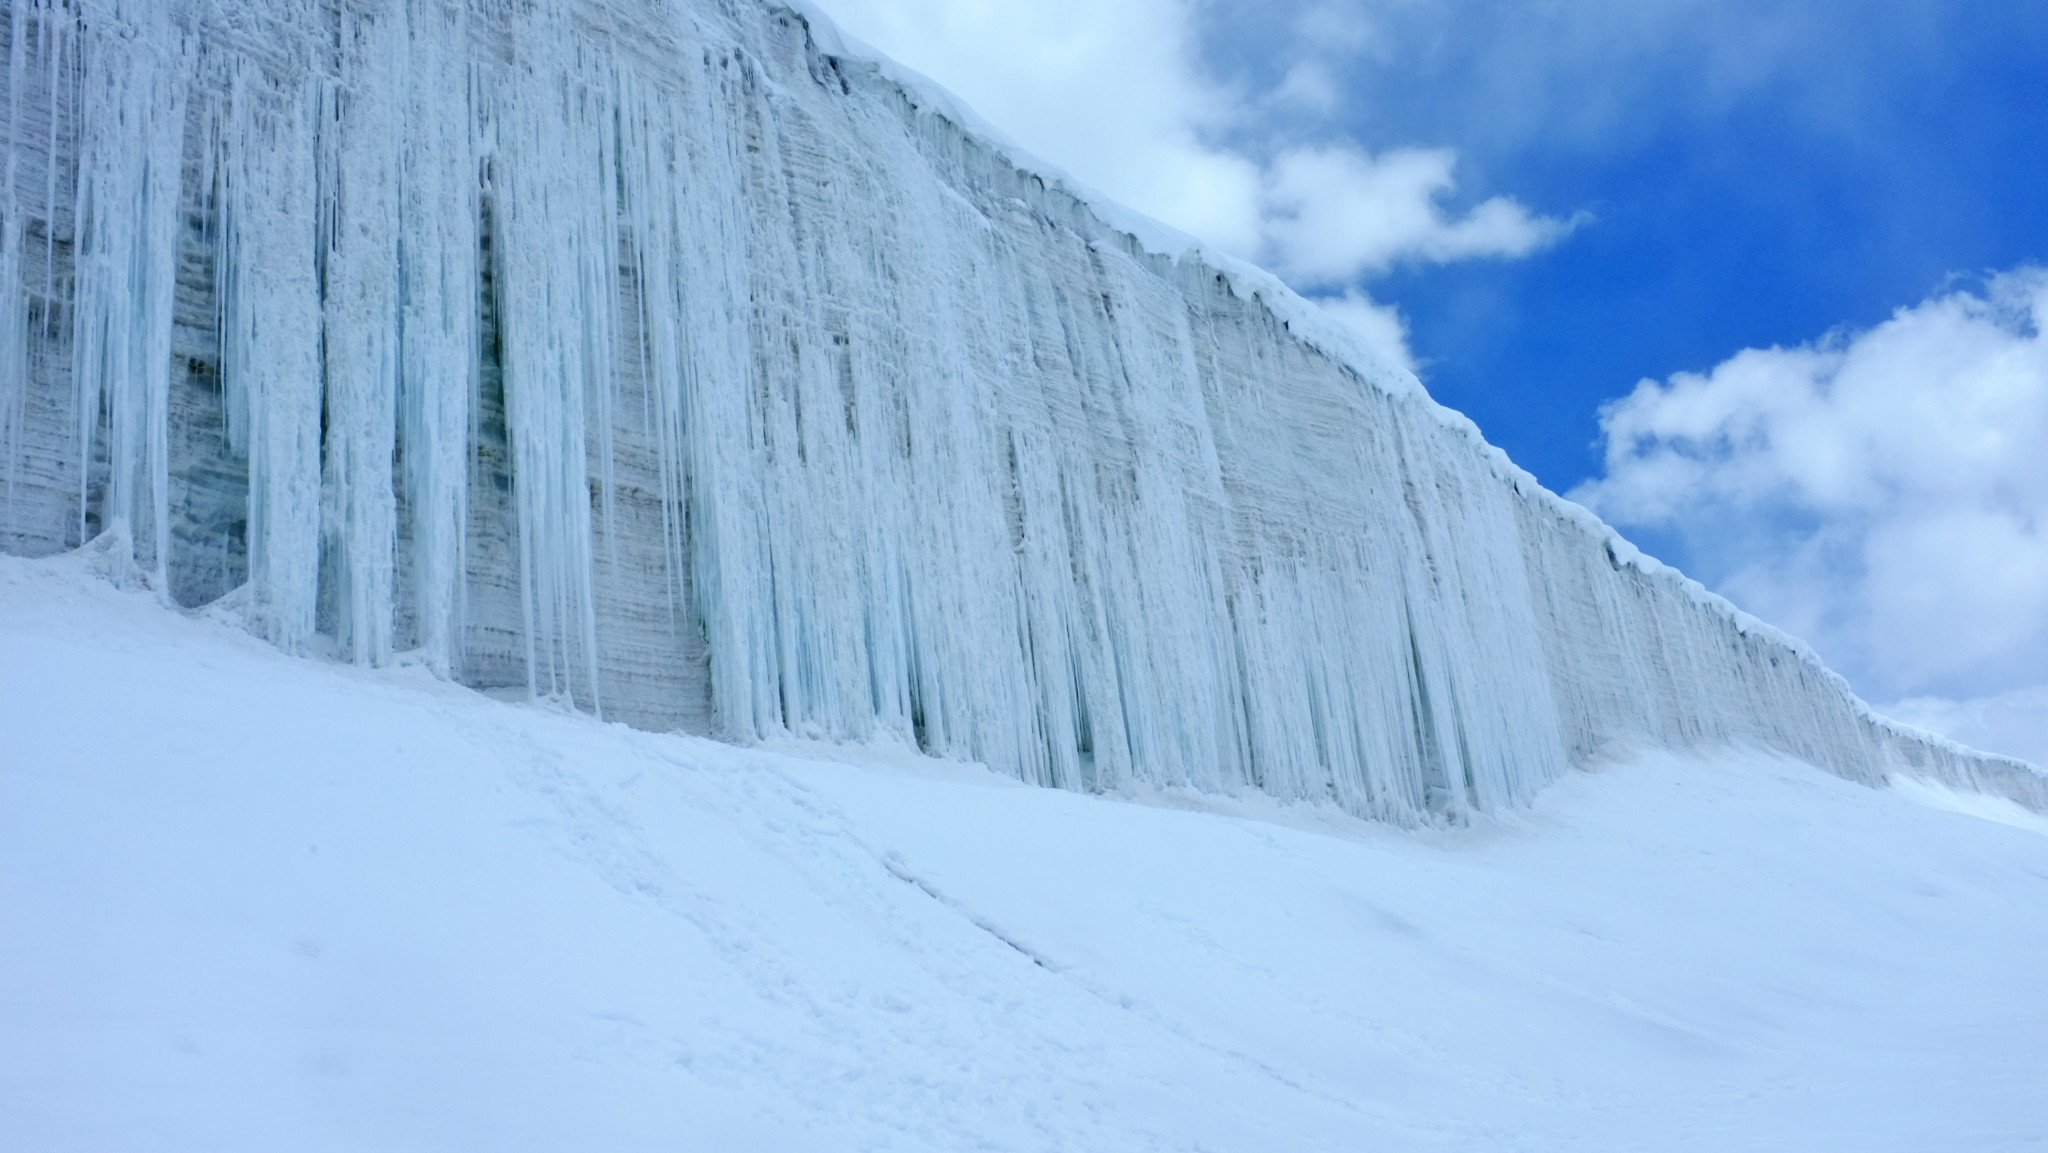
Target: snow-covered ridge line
x=1300, y=315
x=1313, y=325
x=648, y=355
x=1306, y=319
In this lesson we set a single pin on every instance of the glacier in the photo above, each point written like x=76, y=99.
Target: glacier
x=679, y=361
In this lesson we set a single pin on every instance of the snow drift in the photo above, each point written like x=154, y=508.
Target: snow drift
x=663, y=357
x=295, y=905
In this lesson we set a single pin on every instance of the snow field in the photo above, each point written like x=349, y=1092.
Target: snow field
x=255, y=902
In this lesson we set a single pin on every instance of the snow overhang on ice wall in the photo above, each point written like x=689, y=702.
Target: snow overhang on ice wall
x=665, y=357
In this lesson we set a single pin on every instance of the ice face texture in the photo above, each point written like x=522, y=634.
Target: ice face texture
x=654, y=356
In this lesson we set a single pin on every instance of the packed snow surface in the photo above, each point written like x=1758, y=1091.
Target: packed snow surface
x=668, y=359
x=255, y=902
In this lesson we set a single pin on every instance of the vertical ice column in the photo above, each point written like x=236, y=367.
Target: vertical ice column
x=438, y=247
x=705, y=215
x=129, y=171
x=14, y=382
x=270, y=347
x=685, y=213
x=556, y=194
x=360, y=133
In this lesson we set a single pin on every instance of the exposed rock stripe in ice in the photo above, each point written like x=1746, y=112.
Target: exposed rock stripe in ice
x=668, y=357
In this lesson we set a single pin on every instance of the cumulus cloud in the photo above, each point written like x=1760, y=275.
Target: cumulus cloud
x=1332, y=214
x=1111, y=92
x=1882, y=493
x=1381, y=325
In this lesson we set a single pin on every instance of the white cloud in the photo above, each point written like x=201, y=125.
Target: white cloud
x=1105, y=90
x=1331, y=214
x=1111, y=93
x=1309, y=85
x=1380, y=324
x=1884, y=493
x=2014, y=722
x=1511, y=75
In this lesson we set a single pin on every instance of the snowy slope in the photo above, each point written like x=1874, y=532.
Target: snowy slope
x=656, y=356
x=252, y=902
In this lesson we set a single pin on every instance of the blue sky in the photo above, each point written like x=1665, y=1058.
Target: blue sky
x=1756, y=174
x=1791, y=253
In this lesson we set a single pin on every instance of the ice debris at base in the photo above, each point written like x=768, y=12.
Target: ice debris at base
x=645, y=354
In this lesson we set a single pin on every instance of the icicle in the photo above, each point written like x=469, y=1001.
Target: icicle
x=359, y=132
x=129, y=170
x=438, y=246
x=271, y=368
x=559, y=262
x=14, y=380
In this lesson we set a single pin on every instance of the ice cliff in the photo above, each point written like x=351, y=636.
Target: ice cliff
x=664, y=357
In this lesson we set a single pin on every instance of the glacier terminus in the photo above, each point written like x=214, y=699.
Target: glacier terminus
x=670, y=359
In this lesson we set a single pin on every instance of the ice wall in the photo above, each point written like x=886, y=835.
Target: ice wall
x=652, y=355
